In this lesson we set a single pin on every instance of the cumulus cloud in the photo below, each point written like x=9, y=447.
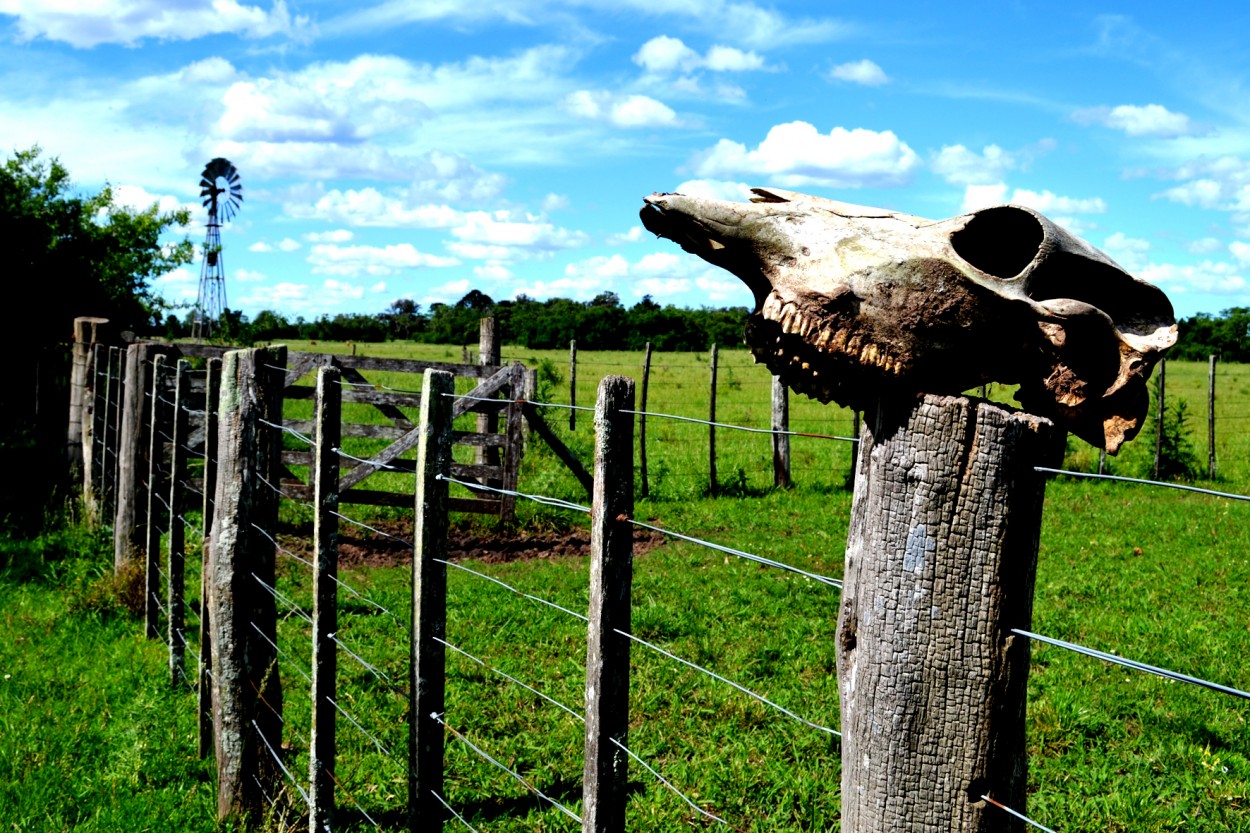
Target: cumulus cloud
x=960, y=166
x=630, y=110
x=1212, y=277
x=1130, y=252
x=137, y=198
x=1240, y=251
x=634, y=235
x=1145, y=120
x=664, y=55
x=248, y=276
x=506, y=235
x=863, y=72
x=1203, y=246
x=796, y=154
x=127, y=22
x=341, y=235
x=662, y=275
x=1203, y=193
x=287, y=244
x=715, y=189
x=370, y=207
x=261, y=246
x=1047, y=202
x=354, y=261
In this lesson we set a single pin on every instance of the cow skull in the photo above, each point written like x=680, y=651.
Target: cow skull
x=852, y=303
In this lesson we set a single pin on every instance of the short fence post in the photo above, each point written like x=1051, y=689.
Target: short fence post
x=514, y=443
x=175, y=567
x=573, y=385
x=488, y=423
x=204, y=690
x=325, y=482
x=645, y=488
x=1211, y=419
x=93, y=429
x=112, y=430
x=781, y=436
x=940, y=565
x=429, y=606
x=1160, y=414
x=158, y=427
x=84, y=336
x=247, y=689
x=713, y=488
x=605, y=778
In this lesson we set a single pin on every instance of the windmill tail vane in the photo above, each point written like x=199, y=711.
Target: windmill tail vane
x=222, y=193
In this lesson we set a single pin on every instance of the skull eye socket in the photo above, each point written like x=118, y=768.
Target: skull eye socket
x=999, y=241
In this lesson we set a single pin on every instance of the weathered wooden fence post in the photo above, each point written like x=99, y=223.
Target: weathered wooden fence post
x=204, y=690
x=85, y=330
x=606, y=774
x=325, y=482
x=712, y=486
x=132, y=496
x=940, y=564
x=488, y=423
x=645, y=487
x=429, y=606
x=781, y=437
x=112, y=430
x=93, y=429
x=1160, y=416
x=1211, y=418
x=572, y=384
x=247, y=689
x=157, y=483
x=175, y=565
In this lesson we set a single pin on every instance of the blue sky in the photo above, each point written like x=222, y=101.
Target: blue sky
x=420, y=149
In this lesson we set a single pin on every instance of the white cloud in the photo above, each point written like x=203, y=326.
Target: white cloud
x=664, y=55
x=796, y=155
x=661, y=289
x=502, y=235
x=447, y=293
x=1204, y=193
x=341, y=235
x=722, y=290
x=303, y=299
x=492, y=271
x=286, y=244
x=715, y=189
x=960, y=166
x=370, y=207
x=631, y=110
x=248, y=276
x=1047, y=202
x=1204, y=246
x=137, y=198
x=555, y=202
x=1147, y=120
x=729, y=59
x=1130, y=252
x=662, y=274
x=127, y=22
x=1240, y=251
x=378, y=287
x=1212, y=277
x=634, y=235
x=863, y=72
x=261, y=246
x=353, y=261
x=178, y=286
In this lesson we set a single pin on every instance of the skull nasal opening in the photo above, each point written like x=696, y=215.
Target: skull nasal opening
x=999, y=241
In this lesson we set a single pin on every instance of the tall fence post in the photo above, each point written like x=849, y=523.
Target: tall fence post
x=85, y=330
x=1160, y=415
x=713, y=487
x=645, y=487
x=573, y=384
x=941, y=558
x=158, y=429
x=606, y=774
x=132, y=496
x=429, y=606
x=175, y=565
x=112, y=430
x=247, y=689
x=325, y=482
x=1211, y=419
x=781, y=437
x=93, y=429
x=204, y=689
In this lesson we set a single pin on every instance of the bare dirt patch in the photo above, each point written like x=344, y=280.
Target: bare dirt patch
x=373, y=550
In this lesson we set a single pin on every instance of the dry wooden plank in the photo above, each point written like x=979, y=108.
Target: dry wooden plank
x=247, y=694
x=606, y=774
x=325, y=477
x=390, y=411
x=208, y=491
x=429, y=607
x=158, y=428
x=540, y=426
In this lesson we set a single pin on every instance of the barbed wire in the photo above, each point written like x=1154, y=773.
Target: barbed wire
x=544, y=500
x=438, y=718
x=1121, y=479
x=745, y=428
x=1018, y=815
x=1134, y=664
x=291, y=777
x=741, y=688
x=453, y=812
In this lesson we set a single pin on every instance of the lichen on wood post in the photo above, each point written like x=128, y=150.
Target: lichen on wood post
x=247, y=690
x=940, y=564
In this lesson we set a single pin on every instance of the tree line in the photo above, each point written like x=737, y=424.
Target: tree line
x=603, y=323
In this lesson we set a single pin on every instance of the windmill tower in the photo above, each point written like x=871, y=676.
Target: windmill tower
x=222, y=192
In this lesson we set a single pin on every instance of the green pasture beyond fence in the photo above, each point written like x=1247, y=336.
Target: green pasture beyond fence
x=1152, y=574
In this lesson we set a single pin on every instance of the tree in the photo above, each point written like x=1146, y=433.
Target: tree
x=82, y=255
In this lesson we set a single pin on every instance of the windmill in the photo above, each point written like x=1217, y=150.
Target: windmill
x=222, y=192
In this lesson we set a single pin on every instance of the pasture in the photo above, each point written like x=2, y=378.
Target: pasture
x=94, y=740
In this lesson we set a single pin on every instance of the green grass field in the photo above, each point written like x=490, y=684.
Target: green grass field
x=92, y=738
